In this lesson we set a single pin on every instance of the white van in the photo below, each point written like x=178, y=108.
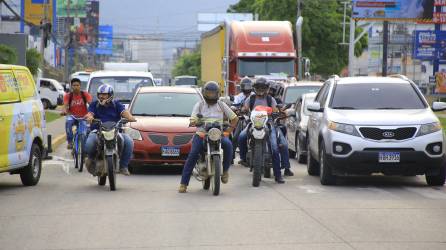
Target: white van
x=125, y=83
x=51, y=93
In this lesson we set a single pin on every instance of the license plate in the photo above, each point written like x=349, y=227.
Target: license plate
x=170, y=151
x=389, y=157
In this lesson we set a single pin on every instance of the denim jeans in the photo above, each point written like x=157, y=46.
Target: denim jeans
x=69, y=123
x=197, y=148
x=125, y=154
x=275, y=150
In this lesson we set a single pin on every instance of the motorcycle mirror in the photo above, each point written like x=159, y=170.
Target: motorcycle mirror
x=199, y=116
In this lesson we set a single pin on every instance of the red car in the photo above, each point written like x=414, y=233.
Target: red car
x=162, y=134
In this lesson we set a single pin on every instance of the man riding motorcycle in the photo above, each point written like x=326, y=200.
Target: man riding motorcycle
x=246, y=91
x=209, y=110
x=106, y=109
x=261, y=98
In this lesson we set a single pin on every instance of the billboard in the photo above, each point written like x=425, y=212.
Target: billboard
x=430, y=45
x=35, y=11
x=86, y=29
x=393, y=9
x=105, y=40
x=75, y=8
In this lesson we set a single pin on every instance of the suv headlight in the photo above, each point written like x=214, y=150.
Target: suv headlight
x=429, y=128
x=343, y=128
x=133, y=133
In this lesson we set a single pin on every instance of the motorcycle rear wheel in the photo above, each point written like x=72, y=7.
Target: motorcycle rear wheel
x=102, y=180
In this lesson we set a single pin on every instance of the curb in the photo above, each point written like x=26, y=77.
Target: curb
x=58, y=141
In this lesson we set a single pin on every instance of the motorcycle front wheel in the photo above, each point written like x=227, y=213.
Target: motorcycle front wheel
x=215, y=177
x=102, y=180
x=257, y=162
x=111, y=173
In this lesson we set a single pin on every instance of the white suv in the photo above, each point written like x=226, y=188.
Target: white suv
x=365, y=125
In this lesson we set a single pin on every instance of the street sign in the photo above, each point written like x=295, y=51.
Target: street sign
x=105, y=40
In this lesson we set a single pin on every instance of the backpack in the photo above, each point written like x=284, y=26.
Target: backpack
x=70, y=99
x=252, y=101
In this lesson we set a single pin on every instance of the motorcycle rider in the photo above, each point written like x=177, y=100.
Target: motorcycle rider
x=211, y=110
x=274, y=88
x=261, y=98
x=75, y=103
x=106, y=109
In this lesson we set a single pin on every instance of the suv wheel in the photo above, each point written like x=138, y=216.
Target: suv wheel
x=325, y=170
x=312, y=164
x=299, y=156
x=437, y=180
x=30, y=175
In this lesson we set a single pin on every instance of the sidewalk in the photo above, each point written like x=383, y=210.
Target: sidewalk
x=56, y=129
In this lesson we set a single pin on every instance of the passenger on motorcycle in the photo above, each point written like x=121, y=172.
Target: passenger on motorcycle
x=261, y=98
x=246, y=91
x=106, y=109
x=210, y=110
x=274, y=90
x=75, y=103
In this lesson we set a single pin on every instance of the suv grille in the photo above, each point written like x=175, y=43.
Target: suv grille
x=182, y=139
x=159, y=139
x=388, y=134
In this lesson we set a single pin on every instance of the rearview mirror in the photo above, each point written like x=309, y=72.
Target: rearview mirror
x=315, y=107
x=438, y=106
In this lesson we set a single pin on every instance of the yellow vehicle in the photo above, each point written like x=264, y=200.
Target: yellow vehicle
x=22, y=125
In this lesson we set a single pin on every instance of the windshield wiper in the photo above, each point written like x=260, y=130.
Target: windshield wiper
x=388, y=108
x=173, y=115
x=343, y=107
x=144, y=114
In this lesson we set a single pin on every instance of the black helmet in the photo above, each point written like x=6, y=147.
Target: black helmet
x=261, y=86
x=211, y=92
x=273, y=88
x=246, y=85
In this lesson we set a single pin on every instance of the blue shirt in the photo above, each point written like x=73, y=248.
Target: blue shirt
x=109, y=113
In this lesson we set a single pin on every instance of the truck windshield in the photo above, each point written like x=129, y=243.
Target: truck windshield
x=185, y=81
x=265, y=66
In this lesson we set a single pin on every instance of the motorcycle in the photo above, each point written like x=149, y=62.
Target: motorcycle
x=108, y=148
x=259, y=156
x=243, y=121
x=209, y=168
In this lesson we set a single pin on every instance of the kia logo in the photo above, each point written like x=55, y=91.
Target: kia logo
x=388, y=134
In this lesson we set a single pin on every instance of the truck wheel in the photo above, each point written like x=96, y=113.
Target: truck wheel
x=30, y=175
x=46, y=104
x=437, y=180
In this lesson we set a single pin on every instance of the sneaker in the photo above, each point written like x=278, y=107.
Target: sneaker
x=279, y=180
x=182, y=189
x=225, y=177
x=288, y=172
x=124, y=171
x=243, y=163
x=69, y=146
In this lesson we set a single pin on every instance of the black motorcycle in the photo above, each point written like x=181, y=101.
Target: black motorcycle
x=108, y=148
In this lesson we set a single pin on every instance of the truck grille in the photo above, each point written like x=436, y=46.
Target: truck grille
x=182, y=139
x=388, y=134
x=159, y=139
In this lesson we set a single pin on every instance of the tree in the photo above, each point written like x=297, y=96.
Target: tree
x=321, y=31
x=189, y=64
x=33, y=59
x=8, y=55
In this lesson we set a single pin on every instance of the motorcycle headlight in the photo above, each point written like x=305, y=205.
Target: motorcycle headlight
x=109, y=135
x=429, y=128
x=343, y=128
x=214, y=134
x=133, y=133
x=259, y=121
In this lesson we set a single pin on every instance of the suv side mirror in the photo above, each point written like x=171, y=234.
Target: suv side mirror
x=315, y=107
x=438, y=106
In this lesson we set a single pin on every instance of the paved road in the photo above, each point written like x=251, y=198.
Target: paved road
x=67, y=210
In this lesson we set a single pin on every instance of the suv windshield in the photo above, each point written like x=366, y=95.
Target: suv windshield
x=295, y=92
x=164, y=104
x=376, y=96
x=124, y=86
x=260, y=66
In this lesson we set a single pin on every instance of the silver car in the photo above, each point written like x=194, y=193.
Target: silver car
x=365, y=125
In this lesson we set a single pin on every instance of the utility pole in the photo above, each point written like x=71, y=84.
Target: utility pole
x=43, y=30
x=299, y=22
x=385, y=45
x=67, y=43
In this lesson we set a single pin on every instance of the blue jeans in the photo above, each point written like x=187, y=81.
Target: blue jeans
x=69, y=123
x=275, y=150
x=125, y=154
x=197, y=148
